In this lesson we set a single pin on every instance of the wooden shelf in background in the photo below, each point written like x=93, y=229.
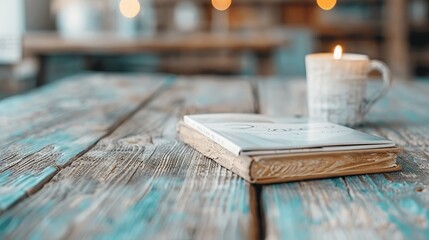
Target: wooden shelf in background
x=49, y=43
x=365, y=30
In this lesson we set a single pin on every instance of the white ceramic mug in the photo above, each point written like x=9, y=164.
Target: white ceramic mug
x=337, y=88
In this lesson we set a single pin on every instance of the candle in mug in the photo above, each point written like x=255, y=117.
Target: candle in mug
x=336, y=85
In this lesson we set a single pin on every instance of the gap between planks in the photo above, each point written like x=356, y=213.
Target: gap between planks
x=256, y=189
x=368, y=206
x=165, y=85
x=165, y=108
x=256, y=192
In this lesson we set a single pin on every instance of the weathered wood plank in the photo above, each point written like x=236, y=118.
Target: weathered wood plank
x=140, y=182
x=380, y=206
x=45, y=129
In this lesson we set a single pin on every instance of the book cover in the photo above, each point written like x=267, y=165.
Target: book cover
x=253, y=134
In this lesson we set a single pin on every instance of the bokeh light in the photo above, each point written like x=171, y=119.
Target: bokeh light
x=221, y=5
x=129, y=8
x=326, y=4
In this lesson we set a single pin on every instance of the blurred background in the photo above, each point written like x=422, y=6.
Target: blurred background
x=44, y=40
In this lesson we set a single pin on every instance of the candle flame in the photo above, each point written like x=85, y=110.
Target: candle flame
x=338, y=52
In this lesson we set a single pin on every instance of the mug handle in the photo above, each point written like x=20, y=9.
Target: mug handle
x=387, y=82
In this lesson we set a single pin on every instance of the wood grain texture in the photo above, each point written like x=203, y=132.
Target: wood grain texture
x=140, y=182
x=379, y=206
x=41, y=132
x=241, y=165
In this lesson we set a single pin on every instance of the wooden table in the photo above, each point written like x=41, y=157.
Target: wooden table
x=262, y=44
x=97, y=156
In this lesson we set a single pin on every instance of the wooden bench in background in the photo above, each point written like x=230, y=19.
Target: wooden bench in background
x=184, y=53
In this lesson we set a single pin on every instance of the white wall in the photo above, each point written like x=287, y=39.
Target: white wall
x=11, y=29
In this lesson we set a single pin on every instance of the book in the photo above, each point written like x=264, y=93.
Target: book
x=263, y=149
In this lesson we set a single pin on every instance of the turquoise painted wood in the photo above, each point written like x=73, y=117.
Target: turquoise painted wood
x=43, y=131
x=140, y=182
x=380, y=206
x=96, y=156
